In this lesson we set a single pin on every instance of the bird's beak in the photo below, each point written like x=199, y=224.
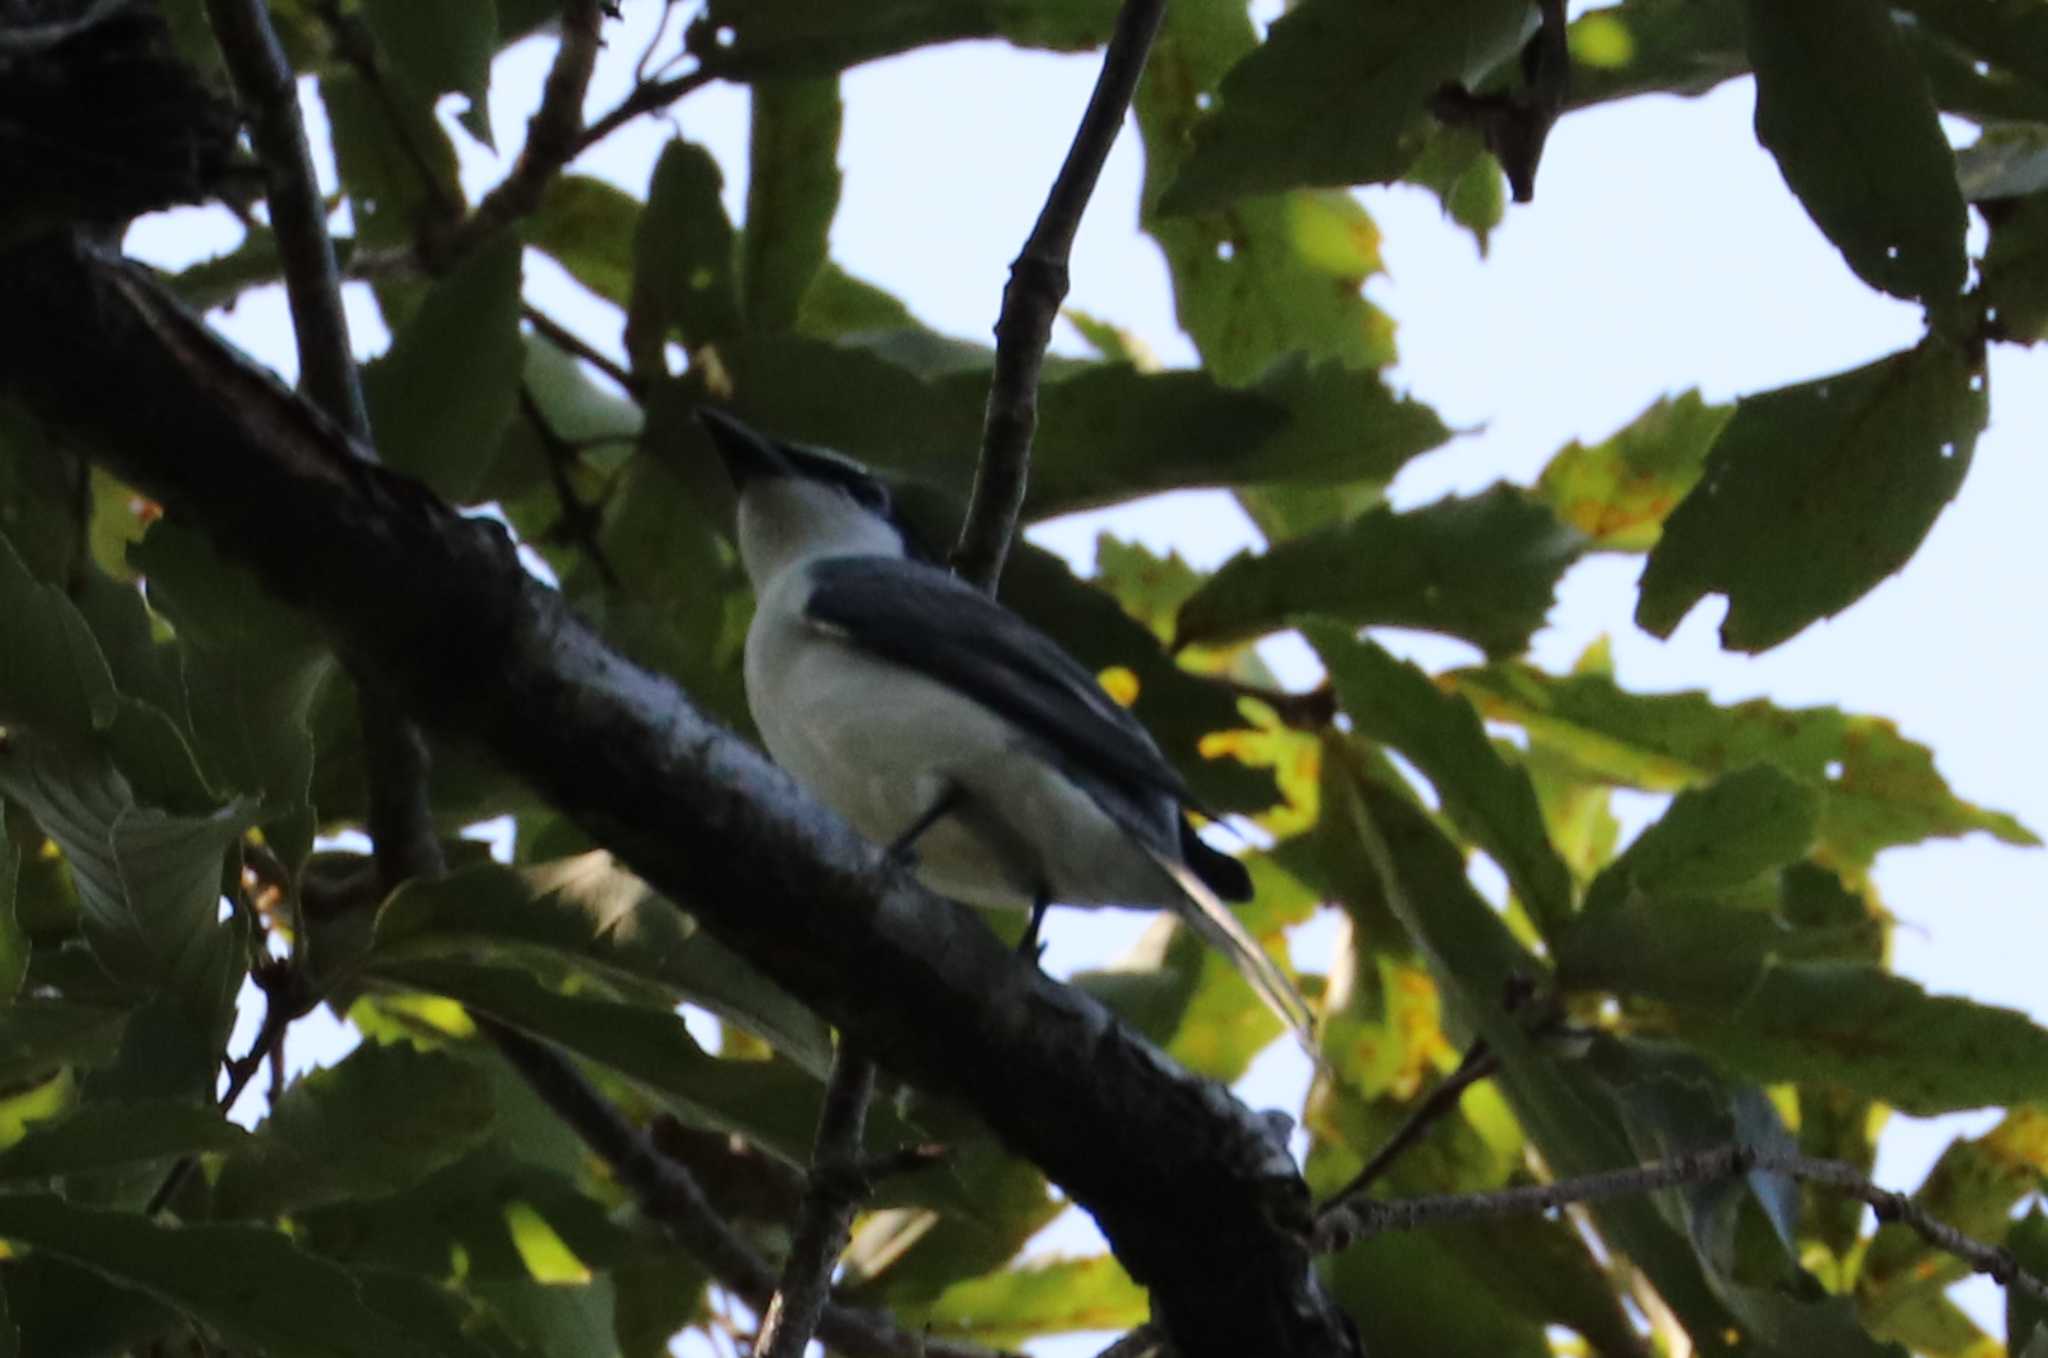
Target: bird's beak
x=749, y=455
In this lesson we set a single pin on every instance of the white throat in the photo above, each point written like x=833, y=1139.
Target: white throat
x=785, y=521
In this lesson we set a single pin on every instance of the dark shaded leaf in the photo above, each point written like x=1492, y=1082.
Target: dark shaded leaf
x=14, y=940
x=104, y=1135
x=1813, y=493
x=1654, y=46
x=1845, y=109
x=38, y=1035
x=792, y=193
x=382, y=1119
x=397, y=166
x=2024, y=1314
x=1619, y=491
x=1489, y=799
x=1338, y=95
x=1717, y=837
x=1876, y=1034
x=594, y=912
x=1411, y=1294
x=254, y=1287
x=441, y=395
x=1482, y=569
x=2016, y=269
x=1877, y=788
x=683, y=284
x=442, y=46
x=1455, y=165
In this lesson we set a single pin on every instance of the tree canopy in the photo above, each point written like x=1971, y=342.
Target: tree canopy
x=488, y=577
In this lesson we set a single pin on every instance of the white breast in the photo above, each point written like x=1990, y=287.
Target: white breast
x=880, y=743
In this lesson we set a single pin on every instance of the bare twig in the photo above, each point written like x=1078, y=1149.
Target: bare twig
x=669, y=1195
x=555, y=333
x=646, y=98
x=1031, y=301
x=312, y=282
x=553, y=138
x=578, y=523
x=1362, y=1217
x=1479, y=1063
x=826, y=1215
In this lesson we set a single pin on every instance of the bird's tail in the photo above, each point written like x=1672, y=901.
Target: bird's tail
x=1217, y=923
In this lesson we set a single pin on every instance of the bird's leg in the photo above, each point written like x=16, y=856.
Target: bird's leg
x=902, y=849
x=1028, y=946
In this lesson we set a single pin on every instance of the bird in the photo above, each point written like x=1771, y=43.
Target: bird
x=985, y=758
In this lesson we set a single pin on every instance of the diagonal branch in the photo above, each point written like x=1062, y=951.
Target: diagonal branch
x=1031, y=302
x=554, y=136
x=312, y=282
x=826, y=1215
x=670, y=1195
x=437, y=611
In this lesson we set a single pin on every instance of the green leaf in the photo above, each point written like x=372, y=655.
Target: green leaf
x=2025, y=1314
x=1813, y=493
x=253, y=1287
x=384, y=138
x=683, y=284
x=67, y=1312
x=149, y=882
x=2016, y=269
x=1482, y=569
x=591, y=911
x=1455, y=165
x=772, y=1103
x=1717, y=837
x=38, y=1035
x=104, y=1135
x=1005, y=1308
x=53, y=677
x=1273, y=275
x=440, y=46
x=1186, y=998
x=1845, y=109
x=441, y=395
x=587, y=226
x=379, y=1121
x=217, y=282
x=1338, y=95
x=252, y=668
x=1654, y=46
x=2014, y=33
x=1411, y=1294
x=1876, y=1034
x=1877, y=788
x=1490, y=800
x=777, y=39
x=14, y=940
x=792, y=194
x=1619, y=492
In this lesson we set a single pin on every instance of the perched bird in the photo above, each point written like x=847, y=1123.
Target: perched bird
x=948, y=728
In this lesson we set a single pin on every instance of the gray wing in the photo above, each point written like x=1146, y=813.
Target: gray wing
x=923, y=619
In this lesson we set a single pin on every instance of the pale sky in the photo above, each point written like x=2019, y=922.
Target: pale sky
x=1662, y=252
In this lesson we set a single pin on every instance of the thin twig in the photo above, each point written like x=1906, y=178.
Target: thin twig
x=1479, y=1063
x=269, y=94
x=553, y=137
x=1364, y=1217
x=1031, y=301
x=579, y=522
x=669, y=1195
x=555, y=333
x=643, y=99
x=825, y=1218
x=1144, y=1342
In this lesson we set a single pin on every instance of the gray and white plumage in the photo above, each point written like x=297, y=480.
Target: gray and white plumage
x=884, y=684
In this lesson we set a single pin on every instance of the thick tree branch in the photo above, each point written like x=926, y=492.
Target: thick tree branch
x=670, y=1195
x=826, y=1214
x=436, y=610
x=554, y=135
x=1031, y=302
